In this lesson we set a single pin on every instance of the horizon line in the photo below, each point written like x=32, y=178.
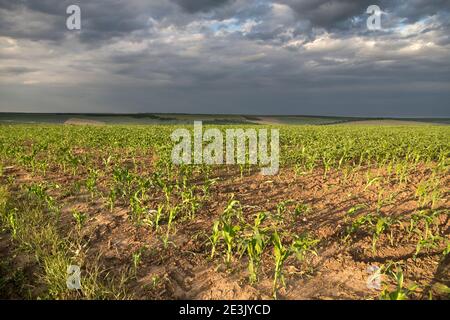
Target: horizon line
x=216, y=114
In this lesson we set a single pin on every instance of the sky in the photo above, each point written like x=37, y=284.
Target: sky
x=297, y=57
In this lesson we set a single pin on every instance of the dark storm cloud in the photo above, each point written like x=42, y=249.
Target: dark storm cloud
x=413, y=10
x=111, y=19
x=31, y=20
x=226, y=56
x=106, y=19
x=193, y=6
x=327, y=13
x=101, y=19
x=330, y=14
x=16, y=70
x=6, y=4
x=46, y=6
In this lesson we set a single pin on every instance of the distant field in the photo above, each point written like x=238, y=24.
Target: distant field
x=207, y=119
x=389, y=122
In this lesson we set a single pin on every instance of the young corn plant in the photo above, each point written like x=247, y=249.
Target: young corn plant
x=281, y=253
x=136, y=260
x=355, y=209
x=40, y=192
x=190, y=201
x=357, y=224
x=428, y=192
x=427, y=240
x=153, y=217
x=381, y=200
x=215, y=237
x=227, y=229
x=206, y=187
x=112, y=196
x=302, y=209
x=282, y=207
x=371, y=180
x=233, y=210
x=137, y=207
x=165, y=186
x=402, y=172
x=255, y=247
x=10, y=217
x=400, y=292
x=158, y=216
x=172, y=215
x=91, y=182
x=382, y=224
x=123, y=179
x=80, y=218
x=429, y=243
x=229, y=234
x=303, y=245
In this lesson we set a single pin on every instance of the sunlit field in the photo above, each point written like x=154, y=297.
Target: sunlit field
x=348, y=200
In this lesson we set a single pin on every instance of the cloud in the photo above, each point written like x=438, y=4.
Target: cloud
x=327, y=13
x=193, y=6
x=16, y=70
x=235, y=56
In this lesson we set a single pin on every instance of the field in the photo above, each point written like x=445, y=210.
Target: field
x=180, y=119
x=351, y=202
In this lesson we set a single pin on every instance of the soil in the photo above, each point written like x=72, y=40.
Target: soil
x=185, y=271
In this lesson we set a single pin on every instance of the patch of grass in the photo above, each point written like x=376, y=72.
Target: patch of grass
x=35, y=232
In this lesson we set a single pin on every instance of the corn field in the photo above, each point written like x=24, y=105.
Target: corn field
x=110, y=200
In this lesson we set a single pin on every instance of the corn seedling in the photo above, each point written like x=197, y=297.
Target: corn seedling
x=282, y=206
x=354, y=210
x=400, y=293
x=303, y=245
x=137, y=208
x=281, y=253
x=112, y=198
x=153, y=217
x=80, y=218
x=381, y=225
x=136, y=260
x=172, y=215
x=215, y=238
x=255, y=246
x=91, y=182
x=428, y=243
x=302, y=209
x=229, y=234
x=357, y=224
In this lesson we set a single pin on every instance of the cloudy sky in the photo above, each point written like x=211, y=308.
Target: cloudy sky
x=313, y=57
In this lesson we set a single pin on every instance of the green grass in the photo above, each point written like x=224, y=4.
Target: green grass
x=34, y=231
